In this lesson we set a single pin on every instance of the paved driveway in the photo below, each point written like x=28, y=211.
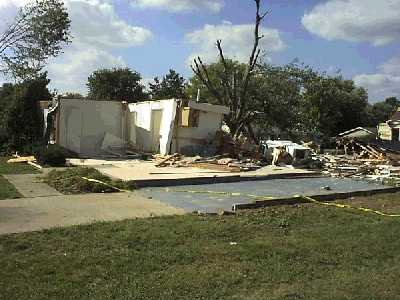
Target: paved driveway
x=31, y=214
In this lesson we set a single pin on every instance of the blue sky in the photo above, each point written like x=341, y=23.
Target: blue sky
x=359, y=37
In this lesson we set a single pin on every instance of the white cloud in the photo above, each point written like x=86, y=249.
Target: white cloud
x=71, y=71
x=12, y=3
x=96, y=31
x=181, y=5
x=385, y=83
x=374, y=21
x=96, y=23
x=237, y=41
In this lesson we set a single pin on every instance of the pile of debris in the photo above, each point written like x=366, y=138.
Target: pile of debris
x=362, y=160
x=241, y=155
x=219, y=162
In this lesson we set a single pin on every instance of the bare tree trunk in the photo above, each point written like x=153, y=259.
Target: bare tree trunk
x=234, y=93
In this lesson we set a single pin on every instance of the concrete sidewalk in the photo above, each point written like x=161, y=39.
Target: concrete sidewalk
x=31, y=214
x=30, y=185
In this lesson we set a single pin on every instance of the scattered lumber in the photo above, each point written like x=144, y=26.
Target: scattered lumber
x=165, y=160
x=21, y=159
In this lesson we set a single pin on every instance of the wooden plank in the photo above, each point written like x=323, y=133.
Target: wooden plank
x=21, y=159
x=161, y=163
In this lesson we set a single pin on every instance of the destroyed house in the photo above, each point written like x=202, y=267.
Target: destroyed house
x=95, y=128
x=390, y=130
x=359, y=133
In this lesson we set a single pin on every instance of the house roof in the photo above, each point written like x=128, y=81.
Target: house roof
x=396, y=115
x=358, y=132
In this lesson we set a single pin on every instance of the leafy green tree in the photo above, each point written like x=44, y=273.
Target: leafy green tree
x=291, y=101
x=72, y=95
x=393, y=101
x=279, y=100
x=381, y=111
x=6, y=99
x=333, y=105
x=38, y=32
x=120, y=84
x=170, y=86
x=24, y=118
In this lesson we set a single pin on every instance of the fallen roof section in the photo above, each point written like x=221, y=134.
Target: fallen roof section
x=209, y=107
x=353, y=132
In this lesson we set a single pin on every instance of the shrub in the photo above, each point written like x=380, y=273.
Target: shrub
x=52, y=155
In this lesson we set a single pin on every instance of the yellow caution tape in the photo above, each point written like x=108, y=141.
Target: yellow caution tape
x=363, y=209
x=218, y=193
x=104, y=183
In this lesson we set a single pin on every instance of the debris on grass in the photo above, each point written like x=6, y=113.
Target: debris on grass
x=75, y=181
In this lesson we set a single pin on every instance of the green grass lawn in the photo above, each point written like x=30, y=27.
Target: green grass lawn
x=17, y=168
x=7, y=190
x=293, y=252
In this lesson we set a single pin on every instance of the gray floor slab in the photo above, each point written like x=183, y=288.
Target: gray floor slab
x=31, y=214
x=30, y=185
x=221, y=196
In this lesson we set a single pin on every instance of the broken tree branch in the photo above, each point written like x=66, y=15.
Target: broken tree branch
x=255, y=51
x=225, y=80
x=201, y=71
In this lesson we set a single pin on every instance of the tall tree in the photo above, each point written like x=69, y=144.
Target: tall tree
x=171, y=85
x=333, y=105
x=235, y=88
x=121, y=84
x=24, y=119
x=278, y=98
x=381, y=111
x=72, y=95
x=38, y=32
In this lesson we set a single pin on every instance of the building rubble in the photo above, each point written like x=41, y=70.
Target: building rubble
x=240, y=155
x=372, y=160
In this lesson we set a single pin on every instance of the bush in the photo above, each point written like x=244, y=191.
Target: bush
x=52, y=155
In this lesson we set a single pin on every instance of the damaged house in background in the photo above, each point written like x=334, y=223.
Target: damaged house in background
x=95, y=128
x=390, y=130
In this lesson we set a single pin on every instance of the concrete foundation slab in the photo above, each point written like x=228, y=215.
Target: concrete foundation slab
x=146, y=174
x=215, y=197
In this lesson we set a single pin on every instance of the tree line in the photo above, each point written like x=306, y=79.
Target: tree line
x=292, y=101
